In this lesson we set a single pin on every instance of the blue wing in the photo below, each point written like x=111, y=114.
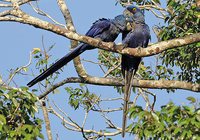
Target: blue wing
x=98, y=27
x=95, y=31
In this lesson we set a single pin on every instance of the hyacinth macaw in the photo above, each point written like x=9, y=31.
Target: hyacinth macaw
x=138, y=37
x=105, y=29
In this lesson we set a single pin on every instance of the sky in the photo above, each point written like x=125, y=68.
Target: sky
x=17, y=40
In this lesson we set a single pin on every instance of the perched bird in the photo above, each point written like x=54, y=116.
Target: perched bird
x=138, y=37
x=105, y=29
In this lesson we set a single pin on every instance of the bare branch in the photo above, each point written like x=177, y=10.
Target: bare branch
x=158, y=16
x=108, y=121
x=21, y=2
x=21, y=68
x=112, y=69
x=76, y=127
x=40, y=12
x=135, y=99
x=145, y=97
x=154, y=98
x=71, y=123
x=111, y=99
x=46, y=119
x=148, y=7
x=66, y=14
x=107, y=110
x=154, y=84
x=5, y=13
x=73, y=126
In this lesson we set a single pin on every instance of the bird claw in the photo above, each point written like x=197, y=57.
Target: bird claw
x=139, y=48
x=99, y=41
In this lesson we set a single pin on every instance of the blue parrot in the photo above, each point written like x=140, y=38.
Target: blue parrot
x=138, y=37
x=105, y=29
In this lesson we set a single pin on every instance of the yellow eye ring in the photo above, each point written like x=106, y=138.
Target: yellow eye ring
x=134, y=9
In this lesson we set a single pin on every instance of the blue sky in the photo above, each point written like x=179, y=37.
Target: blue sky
x=17, y=40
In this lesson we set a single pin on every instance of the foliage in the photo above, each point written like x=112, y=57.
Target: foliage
x=81, y=97
x=182, y=20
x=17, y=115
x=171, y=122
x=139, y=2
x=110, y=60
x=42, y=61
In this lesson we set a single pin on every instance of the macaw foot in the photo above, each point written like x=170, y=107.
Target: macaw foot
x=115, y=46
x=99, y=41
x=139, y=48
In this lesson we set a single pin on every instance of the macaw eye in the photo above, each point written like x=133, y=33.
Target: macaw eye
x=134, y=9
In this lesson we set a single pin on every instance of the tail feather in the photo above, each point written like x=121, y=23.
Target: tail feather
x=59, y=64
x=128, y=77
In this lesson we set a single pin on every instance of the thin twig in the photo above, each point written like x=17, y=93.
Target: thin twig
x=107, y=110
x=158, y=16
x=112, y=69
x=135, y=99
x=19, y=69
x=145, y=97
x=112, y=99
x=154, y=98
x=40, y=12
x=78, y=129
x=70, y=119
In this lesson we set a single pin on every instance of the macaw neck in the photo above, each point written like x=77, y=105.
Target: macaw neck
x=139, y=25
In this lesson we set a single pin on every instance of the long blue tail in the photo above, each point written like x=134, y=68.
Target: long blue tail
x=59, y=64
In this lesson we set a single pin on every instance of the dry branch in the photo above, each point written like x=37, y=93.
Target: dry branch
x=47, y=120
x=152, y=84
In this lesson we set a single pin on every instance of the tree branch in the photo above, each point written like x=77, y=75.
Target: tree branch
x=46, y=119
x=66, y=14
x=153, y=84
x=109, y=46
x=70, y=26
x=21, y=2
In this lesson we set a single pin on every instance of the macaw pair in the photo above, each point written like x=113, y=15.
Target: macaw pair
x=107, y=30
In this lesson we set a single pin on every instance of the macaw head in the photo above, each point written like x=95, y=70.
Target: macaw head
x=134, y=14
x=120, y=21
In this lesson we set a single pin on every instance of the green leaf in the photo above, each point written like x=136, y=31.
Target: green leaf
x=155, y=116
x=35, y=108
x=157, y=1
x=192, y=99
x=2, y=120
x=6, y=95
x=177, y=130
x=15, y=102
x=12, y=134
